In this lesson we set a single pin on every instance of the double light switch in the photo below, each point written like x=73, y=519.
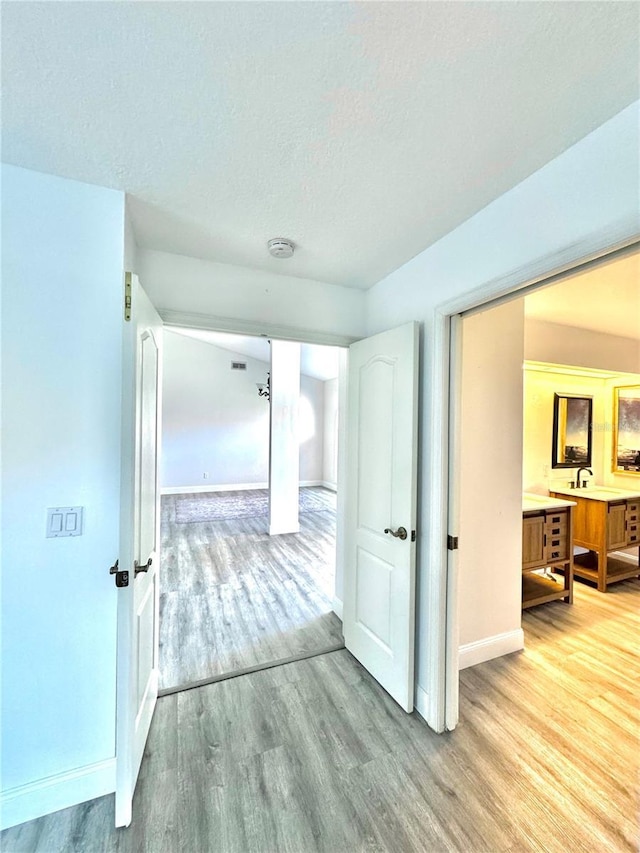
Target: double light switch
x=64, y=521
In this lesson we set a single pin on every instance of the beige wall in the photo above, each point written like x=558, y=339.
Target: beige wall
x=560, y=344
x=539, y=390
x=490, y=554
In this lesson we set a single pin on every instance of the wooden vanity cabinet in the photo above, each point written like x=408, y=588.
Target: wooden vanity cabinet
x=546, y=543
x=602, y=527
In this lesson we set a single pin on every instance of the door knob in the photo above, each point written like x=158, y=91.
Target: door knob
x=137, y=568
x=400, y=533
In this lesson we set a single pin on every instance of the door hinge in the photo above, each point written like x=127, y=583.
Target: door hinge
x=122, y=578
x=413, y=536
x=127, y=296
x=452, y=543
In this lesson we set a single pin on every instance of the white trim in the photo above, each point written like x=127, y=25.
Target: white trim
x=27, y=802
x=438, y=605
x=213, y=323
x=452, y=640
x=333, y=487
x=423, y=703
x=480, y=651
x=232, y=487
x=573, y=259
x=336, y=606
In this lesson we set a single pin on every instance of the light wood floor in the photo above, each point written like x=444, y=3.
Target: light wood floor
x=314, y=756
x=231, y=596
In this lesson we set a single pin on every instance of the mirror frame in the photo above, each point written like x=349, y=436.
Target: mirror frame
x=632, y=403
x=586, y=463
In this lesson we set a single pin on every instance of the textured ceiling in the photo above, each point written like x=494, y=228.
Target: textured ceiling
x=362, y=131
x=605, y=298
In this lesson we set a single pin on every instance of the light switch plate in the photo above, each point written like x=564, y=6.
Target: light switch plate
x=64, y=521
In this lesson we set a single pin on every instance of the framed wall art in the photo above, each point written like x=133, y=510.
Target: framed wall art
x=626, y=429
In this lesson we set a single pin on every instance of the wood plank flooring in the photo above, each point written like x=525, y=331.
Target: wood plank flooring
x=314, y=756
x=231, y=596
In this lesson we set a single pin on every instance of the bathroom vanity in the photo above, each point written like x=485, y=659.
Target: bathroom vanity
x=605, y=520
x=547, y=543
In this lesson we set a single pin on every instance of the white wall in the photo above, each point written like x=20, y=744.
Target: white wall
x=330, y=454
x=312, y=419
x=130, y=244
x=190, y=285
x=584, y=199
x=215, y=422
x=490, y=556
x=561, y=344
x=62, y=269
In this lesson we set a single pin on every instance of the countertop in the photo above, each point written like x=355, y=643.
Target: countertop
x=599, y=493
x=532, y=502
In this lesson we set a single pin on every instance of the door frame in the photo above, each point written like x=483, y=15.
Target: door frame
x=442, y=616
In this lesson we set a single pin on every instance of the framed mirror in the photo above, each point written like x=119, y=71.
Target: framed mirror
x=572, y=430
x=626, y=429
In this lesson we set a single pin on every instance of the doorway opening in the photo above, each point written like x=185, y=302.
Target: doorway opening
x=234, y=595
x=577, y=334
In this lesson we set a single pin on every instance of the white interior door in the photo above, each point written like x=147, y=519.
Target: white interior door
x=138, y=602
x=379, y=579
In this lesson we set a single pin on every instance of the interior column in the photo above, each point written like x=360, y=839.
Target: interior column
x=284, y=456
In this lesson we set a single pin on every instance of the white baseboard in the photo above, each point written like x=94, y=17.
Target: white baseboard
x=275, y=531
x=336, y=606
x=333, y=487
x=212, y=487
x=491, y=647
x=36, y=799
x=230, y=487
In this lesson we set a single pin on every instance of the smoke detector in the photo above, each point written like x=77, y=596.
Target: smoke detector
x=279, y=247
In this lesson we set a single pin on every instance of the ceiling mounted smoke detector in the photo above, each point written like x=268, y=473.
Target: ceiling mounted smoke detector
x=281, y=248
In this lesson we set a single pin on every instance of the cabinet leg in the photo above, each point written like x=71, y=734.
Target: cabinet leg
x=602, y=571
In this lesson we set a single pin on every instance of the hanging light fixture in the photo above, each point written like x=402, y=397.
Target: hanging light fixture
x=264, y=389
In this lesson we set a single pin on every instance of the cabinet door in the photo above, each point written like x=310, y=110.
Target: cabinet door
x=616, y=526
x=533, y=541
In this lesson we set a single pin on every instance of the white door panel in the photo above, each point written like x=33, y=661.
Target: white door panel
x=138, y=603
x=379, y=587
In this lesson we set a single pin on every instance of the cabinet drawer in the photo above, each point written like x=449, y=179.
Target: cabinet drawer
x=557, y=548
x=633, y=506
x=556, y=525
x=633, y=515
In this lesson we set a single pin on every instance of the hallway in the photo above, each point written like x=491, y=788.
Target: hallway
x=315, y=756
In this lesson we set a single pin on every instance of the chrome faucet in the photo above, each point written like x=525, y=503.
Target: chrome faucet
x=589, y=471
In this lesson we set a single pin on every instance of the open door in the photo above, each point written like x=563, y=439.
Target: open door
x=379, y=572
x=138, y=594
